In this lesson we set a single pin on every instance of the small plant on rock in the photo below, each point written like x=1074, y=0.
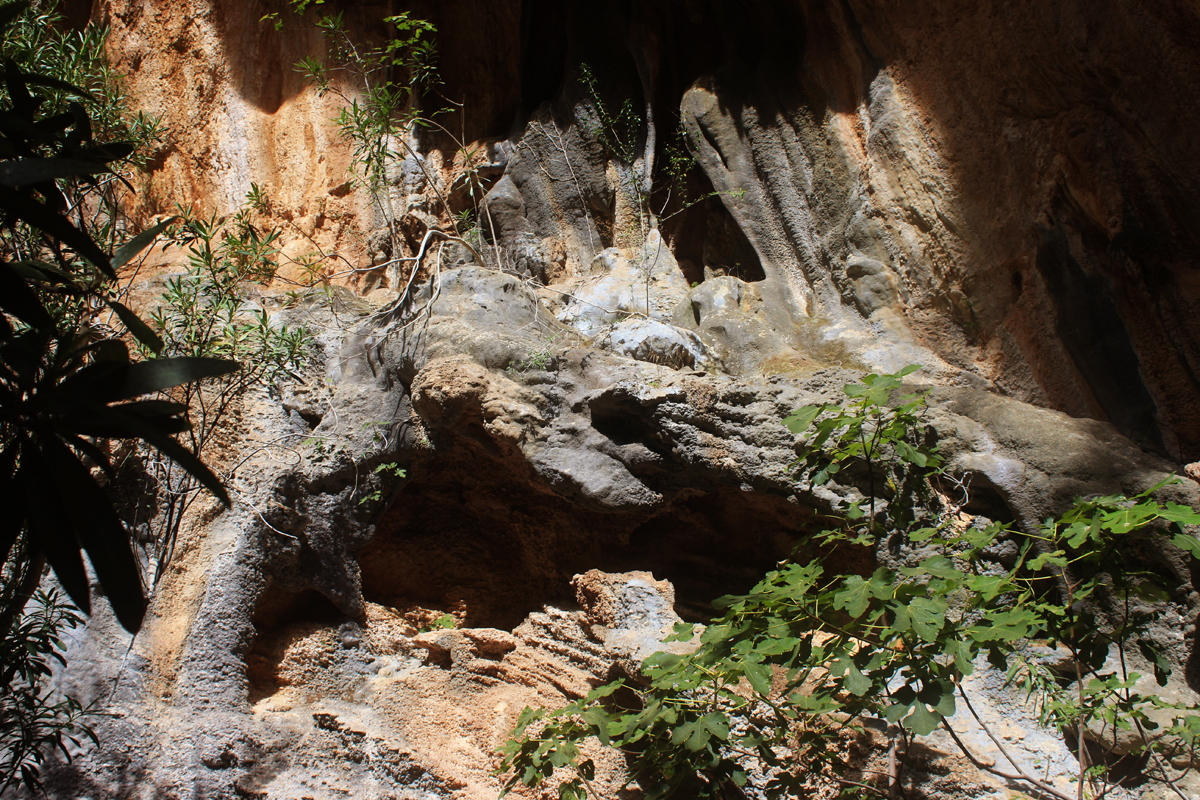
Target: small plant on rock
x=387, y=469
x=206, y=313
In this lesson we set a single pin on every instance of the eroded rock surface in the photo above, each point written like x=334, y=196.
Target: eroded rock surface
x=559, y=452
x=1001, y=193
x=315, y=658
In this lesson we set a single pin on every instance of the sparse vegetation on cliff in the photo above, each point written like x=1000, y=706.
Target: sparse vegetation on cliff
x=811, y=660
x=380, y=86
x=204, y=314
x=68, y=383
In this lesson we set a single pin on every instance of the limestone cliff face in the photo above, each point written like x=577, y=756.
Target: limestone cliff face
x=1003, y=192
x=235, y=113
x=1007, y=191
x=1010, y=185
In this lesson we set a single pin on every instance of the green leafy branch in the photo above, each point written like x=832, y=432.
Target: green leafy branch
x=809, y=659
x=34, y=721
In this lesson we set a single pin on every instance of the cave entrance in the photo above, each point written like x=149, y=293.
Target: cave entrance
x=491, y=543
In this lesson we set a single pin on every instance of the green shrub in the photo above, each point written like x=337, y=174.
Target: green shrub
x=809, y=659
x=68, y=384
x=34, y=721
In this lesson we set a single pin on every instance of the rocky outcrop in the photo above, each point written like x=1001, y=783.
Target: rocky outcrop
x=315, y=657
x=558, y=451
x=1002, y=193
x=979, y=189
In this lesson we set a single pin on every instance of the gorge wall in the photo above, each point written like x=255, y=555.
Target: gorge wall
x=1009, y=187
x=1004, y=193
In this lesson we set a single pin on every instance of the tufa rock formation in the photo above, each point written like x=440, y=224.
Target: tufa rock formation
x=588, y=422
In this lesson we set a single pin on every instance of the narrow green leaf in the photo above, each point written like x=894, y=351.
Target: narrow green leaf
x=50, y=531
x=96, y=383
x=18, y=93
x=111, y=151
x=125, y=253
x=100, y=531
x=18, y=299
x=172, y=449
x=140, y=330
x=153, y=408
x=26, y=172
x=156, y=375
x=42, y=272
x=90, y=450
x=54, y=83
x=19, y=205
x=13, y=519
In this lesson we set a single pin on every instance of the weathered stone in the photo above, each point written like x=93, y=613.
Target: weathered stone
x=649, y=285
x=631, y=613
x=1001, y=192
x=658, y=343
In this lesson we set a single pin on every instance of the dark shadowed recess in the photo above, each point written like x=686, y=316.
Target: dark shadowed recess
x=488, y=537
x=1094, y=334
x=76, y=13
x=281, y=618
x=1097, y=100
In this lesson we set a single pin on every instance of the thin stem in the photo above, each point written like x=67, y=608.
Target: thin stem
x=991, y=768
